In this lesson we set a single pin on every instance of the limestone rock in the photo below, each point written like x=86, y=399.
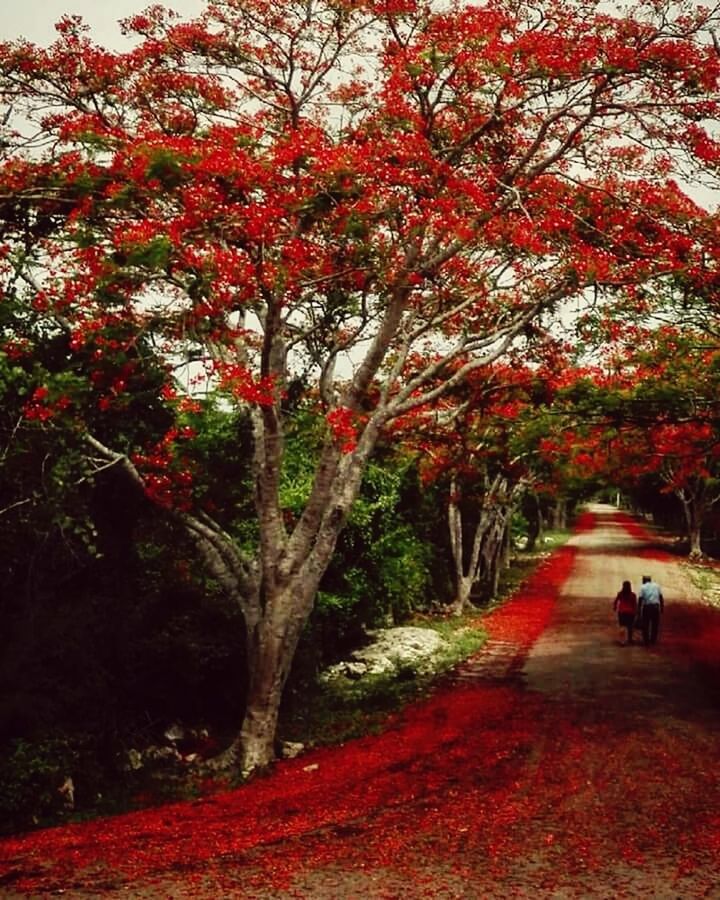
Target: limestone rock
x=393, y=650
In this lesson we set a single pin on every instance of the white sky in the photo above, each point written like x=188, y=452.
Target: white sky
x=35, y=19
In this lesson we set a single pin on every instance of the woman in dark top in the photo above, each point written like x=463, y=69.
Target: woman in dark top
x=626, y=606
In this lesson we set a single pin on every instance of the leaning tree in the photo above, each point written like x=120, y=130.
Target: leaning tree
x=362, y=200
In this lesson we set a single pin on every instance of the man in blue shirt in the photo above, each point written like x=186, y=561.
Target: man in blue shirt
x=650, y=605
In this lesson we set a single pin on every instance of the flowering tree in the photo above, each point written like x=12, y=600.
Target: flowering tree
x=647, y=416
x=670, y=427
x=369, y=199
x=469, y=442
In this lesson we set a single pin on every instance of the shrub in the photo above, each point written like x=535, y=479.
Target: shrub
x=31, y=777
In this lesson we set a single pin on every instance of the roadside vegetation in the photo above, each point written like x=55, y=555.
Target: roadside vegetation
x=706, y=577
x=138, y=766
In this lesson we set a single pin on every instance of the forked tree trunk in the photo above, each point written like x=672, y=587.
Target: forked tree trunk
x=466, y=574
x=694, y=515
x=696, y=502
x=463, y=589
x=276, y=593
x=493, y=552
x=274, y=619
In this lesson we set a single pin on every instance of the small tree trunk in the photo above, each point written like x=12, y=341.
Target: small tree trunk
x=497, y=557
x=506, y=548
x=694, y=510
x=533, y=514
x=694, y=530
x=463, y=588
x=695, y=542
x=491, y=554
x=559, y=514
x=465, y=576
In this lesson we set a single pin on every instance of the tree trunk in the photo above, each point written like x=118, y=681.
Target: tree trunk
x=693, y=523
x=533, y=514
x=694, y=508
x=271, y=648
x=506, y=546
x=463, y=589
x=491, y=555
x=466, y=575
x=695, y=542
x=275, y=611
x=559, y=514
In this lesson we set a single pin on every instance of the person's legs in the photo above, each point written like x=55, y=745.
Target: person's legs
x=654, y=624
x=646, y=625
x=625, y=621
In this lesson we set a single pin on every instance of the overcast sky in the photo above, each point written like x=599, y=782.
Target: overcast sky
x=34, y=19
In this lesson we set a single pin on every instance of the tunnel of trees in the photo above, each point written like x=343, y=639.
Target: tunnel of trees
x=291, y=348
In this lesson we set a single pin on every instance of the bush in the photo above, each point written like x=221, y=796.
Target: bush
x=31, y=780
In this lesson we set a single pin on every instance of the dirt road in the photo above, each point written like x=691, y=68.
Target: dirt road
x=617, y=792
x=575, y=767
x=581, y=657
x=651, y=717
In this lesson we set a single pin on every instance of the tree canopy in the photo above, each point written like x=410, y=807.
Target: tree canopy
x=350, y=207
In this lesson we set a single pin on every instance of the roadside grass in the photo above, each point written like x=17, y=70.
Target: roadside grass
x=342, y=709
x=705, y=576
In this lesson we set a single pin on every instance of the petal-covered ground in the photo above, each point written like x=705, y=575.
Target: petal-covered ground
x=558, y=763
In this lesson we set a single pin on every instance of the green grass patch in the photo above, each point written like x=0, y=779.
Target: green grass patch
x=345, y=708
x=706, y=578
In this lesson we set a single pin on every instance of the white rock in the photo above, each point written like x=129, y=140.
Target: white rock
x=291, y=749
x=161, y=754
x=392, y=648
x=134, y=758
x=174, y=733
x=67, y=792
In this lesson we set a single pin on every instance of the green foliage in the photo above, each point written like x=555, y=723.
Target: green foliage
x=154, y=254
x=220, y=457
x=167, y=166
x=305, y=433
x=107, y=627
x=381, y=562
x=388, y=564
x=31, y=776
x=402, y=560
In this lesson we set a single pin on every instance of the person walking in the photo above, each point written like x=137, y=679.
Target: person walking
x=625, y=605
x=651, y=605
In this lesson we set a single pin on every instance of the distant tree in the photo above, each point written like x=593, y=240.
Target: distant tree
x=672, y=424
x=647, y=421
